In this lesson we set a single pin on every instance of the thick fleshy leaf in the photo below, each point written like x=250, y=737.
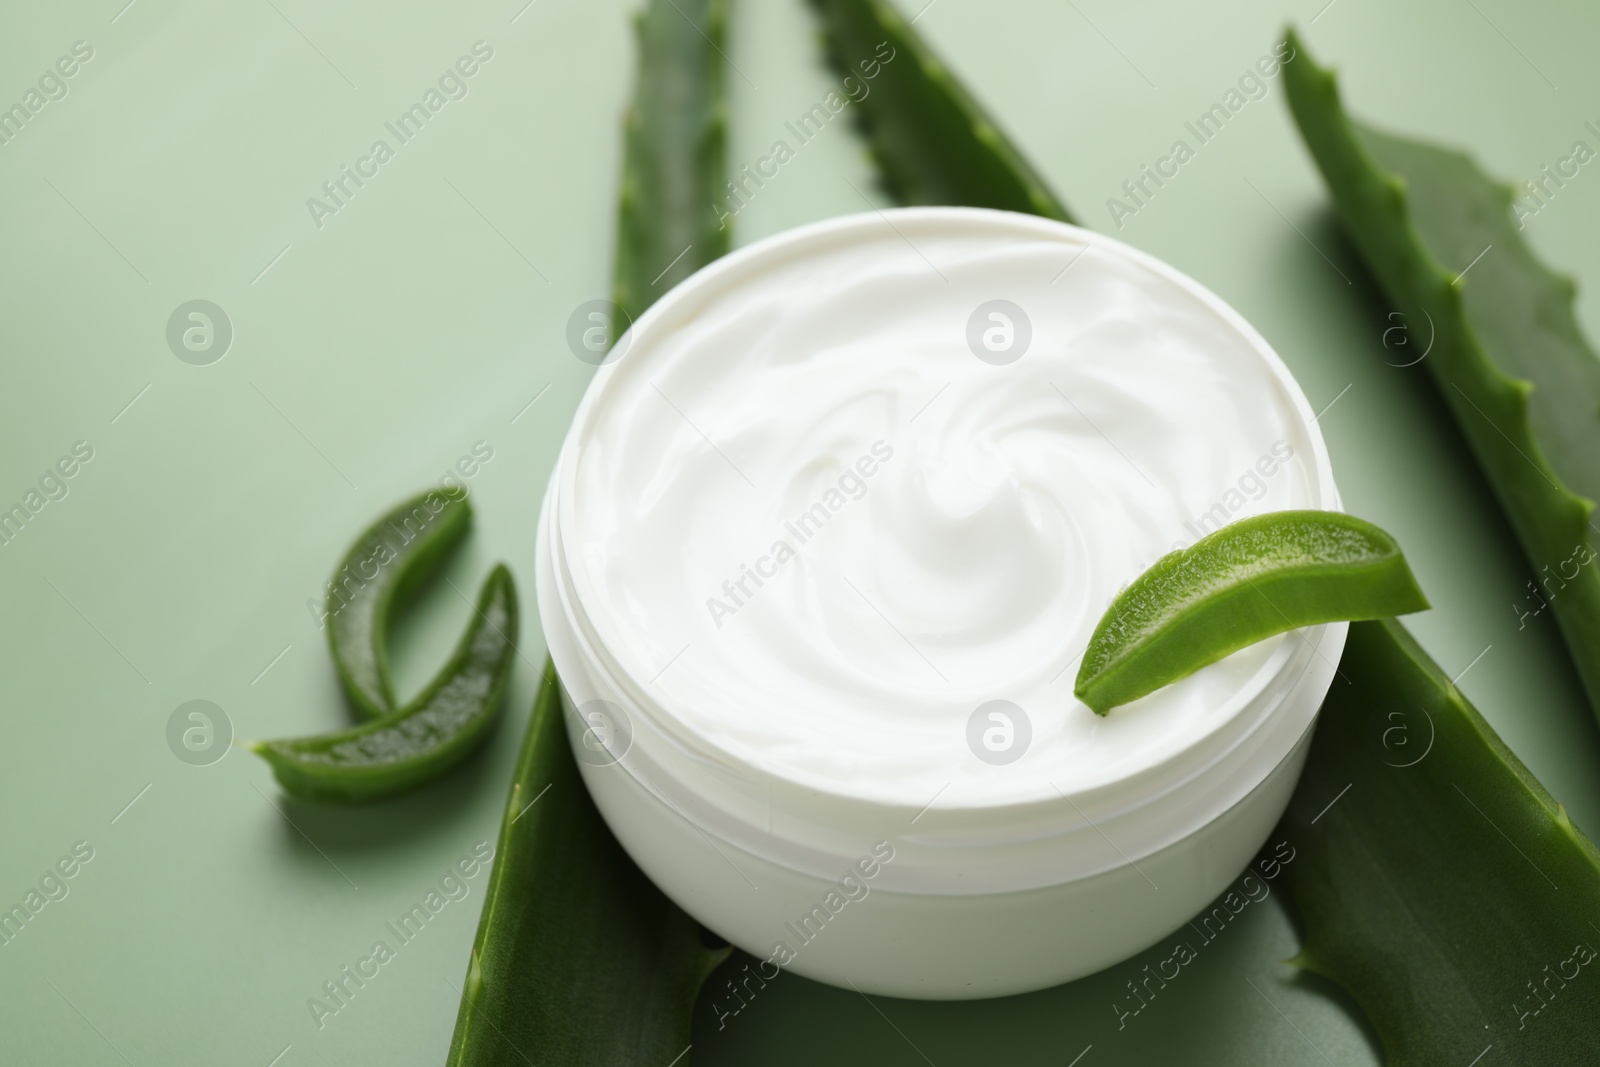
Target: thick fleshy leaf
x=1438, y=880
x=674, y=152
x=1491, y=323
x=579, y=959
x=933, y=142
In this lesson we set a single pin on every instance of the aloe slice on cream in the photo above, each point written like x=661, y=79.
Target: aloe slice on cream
x=1250, y=580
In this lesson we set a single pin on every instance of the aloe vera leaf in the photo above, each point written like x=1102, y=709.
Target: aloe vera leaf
x=934, y=143
x=579, y=960
x=1260, y=576
x=1506, y=353
x=674, y=152
x=1439, y=882
x=431, y=734
x=388, y=561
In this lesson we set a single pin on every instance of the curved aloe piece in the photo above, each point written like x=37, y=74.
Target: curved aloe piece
x=579, y=959
x=1439, y=882
x=1260, y=576
x=390, y=559
x=428, y=736
x=675, y=134
x=933, y=142
x=1506, y=351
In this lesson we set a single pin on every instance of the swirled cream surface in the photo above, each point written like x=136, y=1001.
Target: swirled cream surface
x=833, y=498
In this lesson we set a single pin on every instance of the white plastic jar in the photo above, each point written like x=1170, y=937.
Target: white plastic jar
x=820, y=554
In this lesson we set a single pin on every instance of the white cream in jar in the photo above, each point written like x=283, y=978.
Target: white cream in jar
x=825, y=544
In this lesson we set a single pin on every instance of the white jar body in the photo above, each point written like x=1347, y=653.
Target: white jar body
x=899, y=858
x=938, y=946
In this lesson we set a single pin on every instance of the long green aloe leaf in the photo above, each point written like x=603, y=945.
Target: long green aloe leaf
x=933, y=142
x=579, y=959
x=1498, y=328
x=1439, y=882
x=674, y=152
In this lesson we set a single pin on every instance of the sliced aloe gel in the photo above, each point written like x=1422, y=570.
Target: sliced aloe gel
x=1251, y=579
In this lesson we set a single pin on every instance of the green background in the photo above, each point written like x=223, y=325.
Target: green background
x=428, y=313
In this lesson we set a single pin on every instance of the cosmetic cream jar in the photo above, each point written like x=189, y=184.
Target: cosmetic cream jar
x=820, y=554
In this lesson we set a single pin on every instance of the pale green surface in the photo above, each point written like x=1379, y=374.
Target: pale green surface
x=406, y=329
